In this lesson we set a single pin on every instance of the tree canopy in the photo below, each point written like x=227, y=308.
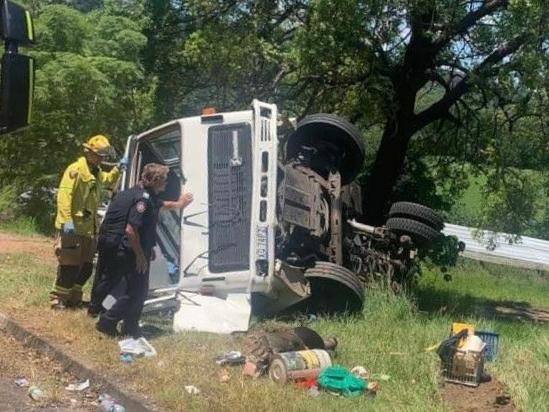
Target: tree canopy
x=442, y=89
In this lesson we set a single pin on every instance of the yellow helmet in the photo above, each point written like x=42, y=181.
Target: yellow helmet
x=99, y=144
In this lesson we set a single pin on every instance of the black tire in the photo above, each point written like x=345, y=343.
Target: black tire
x=417, y=212
x=334, y=289
x=334, y=138
x=421, y=234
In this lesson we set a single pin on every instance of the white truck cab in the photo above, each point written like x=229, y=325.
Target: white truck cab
x=272, y=225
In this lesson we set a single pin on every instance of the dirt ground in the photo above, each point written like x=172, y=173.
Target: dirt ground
x=39, y=246
x=18, y=361
x=487, y=397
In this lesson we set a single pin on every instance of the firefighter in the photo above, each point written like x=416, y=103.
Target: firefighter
x=77, y=202
x=126, y=241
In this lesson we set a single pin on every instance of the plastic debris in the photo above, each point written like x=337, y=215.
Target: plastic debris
x=373, y=387
x=35, y=393
x=22, y=382
x=192, y=390
x=126, y=358
x=139, y=347
x=360, y=372
x=78, y=387
x=109, y=404
x=313, y=392
x=339, y=380
x=381, y=377
x=230, y=358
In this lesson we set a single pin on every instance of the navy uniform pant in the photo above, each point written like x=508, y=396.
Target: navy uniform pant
x=129, y=304
x=110, y=271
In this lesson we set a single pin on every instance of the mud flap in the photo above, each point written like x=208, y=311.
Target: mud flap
x=212, y=314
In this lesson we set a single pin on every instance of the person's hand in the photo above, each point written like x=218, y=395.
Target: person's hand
x=141, y=264
x=68, y=228
x=123, y=163
x=186, y=199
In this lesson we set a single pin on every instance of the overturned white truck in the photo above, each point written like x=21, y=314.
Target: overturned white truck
x=273, y=223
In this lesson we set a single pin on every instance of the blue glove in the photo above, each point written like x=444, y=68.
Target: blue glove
x=68, y=228
x=123, y=163
x=172, y=268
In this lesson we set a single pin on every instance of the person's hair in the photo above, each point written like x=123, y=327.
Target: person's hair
x=152, y=173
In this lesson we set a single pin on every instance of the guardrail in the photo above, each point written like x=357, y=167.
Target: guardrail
x=528, y=252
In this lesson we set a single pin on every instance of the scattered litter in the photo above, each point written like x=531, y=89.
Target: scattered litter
x=74, y=402
x=260, y=347
x=307, y=383
x=126, y=358
x=360, y=372
x=78, y=387
x=492, y=340
x=373, y=387
x=109, y=404
x=300, y=365
x=35, y=393
x=139, y=347
x=339, y=380
x=313, y=392
x=22, y=382
x=224, y=375
x=381, y=377
x=462, y=356
x=192, y=390
x=230, y=358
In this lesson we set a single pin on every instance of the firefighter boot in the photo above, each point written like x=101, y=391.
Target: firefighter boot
x=84, y=274
x=60, y=296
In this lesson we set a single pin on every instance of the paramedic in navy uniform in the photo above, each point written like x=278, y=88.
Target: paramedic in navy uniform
x=127, y=238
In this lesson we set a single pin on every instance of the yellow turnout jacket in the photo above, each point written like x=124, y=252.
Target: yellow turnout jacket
x=79, y=196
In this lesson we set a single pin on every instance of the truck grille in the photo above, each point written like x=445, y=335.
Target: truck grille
x=230, y=196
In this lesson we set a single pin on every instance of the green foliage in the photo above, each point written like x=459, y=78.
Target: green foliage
x=89, y=80
x=144, y=62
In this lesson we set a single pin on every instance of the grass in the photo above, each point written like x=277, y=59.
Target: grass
x=22, y=225
x=388, y=337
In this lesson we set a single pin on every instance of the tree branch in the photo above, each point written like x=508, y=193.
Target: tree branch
x=439, y=109
x=468, y=21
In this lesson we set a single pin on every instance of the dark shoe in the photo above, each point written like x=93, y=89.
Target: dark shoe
x=107, y=327
x=133, y=331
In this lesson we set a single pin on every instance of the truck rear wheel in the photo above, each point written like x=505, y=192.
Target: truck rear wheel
x=337, y=144
x=422, y=235
x=417, y=212
x=334, y=289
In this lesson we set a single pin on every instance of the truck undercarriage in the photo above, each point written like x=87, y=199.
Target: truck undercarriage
x=275, y=222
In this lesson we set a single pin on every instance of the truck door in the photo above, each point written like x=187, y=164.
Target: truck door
x=161, y=145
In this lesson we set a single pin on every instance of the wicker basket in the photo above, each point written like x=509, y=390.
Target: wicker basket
x=465, y=367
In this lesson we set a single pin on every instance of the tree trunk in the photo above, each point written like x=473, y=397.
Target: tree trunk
x=386, y=170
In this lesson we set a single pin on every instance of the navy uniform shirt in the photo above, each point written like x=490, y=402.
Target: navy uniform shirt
x=137, y=207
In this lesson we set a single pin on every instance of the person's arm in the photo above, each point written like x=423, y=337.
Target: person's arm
x=135, y=243
x=64, y=197
x=134, y=223
x=108, y=179
x=185, y=199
